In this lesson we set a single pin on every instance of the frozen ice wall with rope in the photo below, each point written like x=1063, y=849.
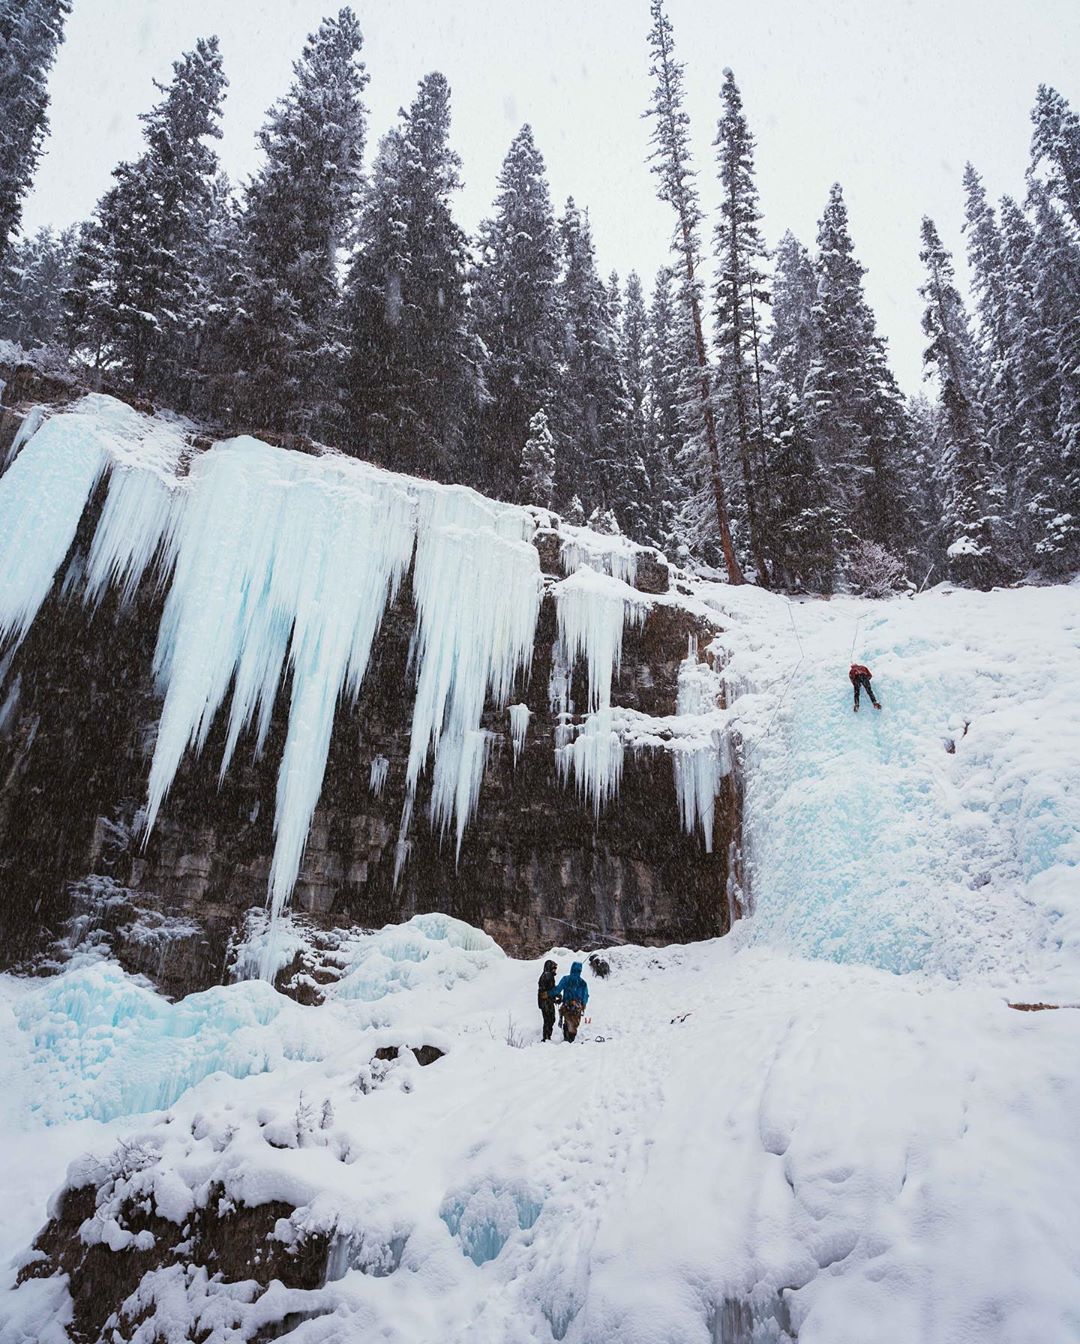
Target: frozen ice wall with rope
x=830, y=1126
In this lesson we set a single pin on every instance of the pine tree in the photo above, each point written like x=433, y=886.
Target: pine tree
x=671, y=162
x=664, y=419
x=1032, y=373
x=996, y=369
x=791, y=348
x=801, y=524
x=143, y=250
x=1055, y=144
x=515, y=300
x=857, y=414
x=538, y=464
x=39, y=271
x=284, y=338
x=592, y=396
x=969, y=525
x=220, y=280
x=641, y=515
x=413, y=375
x=1056, y=293
x=740, y=296
x=30, y=33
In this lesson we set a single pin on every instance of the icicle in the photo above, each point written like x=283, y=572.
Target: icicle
x=380, y=768
x=136, y=525
x=614, y=556
x=698, y=770
x=519, y=726
x=595, y=757
x=477, y=596
x=699, y=763
x=31, y=423
x=277, y=556
x=592, y=610
x=456, y=779
x=42, y=497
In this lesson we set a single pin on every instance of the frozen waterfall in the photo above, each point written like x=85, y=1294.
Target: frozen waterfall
x=278, y=569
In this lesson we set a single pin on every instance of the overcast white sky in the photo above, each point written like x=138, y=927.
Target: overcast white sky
x=889, y=97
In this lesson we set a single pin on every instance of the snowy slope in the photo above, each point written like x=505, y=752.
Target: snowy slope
x=829, y=1126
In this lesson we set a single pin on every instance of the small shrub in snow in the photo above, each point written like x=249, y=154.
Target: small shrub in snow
x=873, y=571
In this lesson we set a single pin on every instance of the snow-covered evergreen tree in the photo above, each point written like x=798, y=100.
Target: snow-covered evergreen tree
x=1056, y=294
x=641, y=515
x=791, y=347
x=284, y=339
x=592, y=398
x=413, y=376
x=968, y=520
x=1055, y=148
x=516, y=305
x=30, y=33
x=137, y=297
x=537, y=484
x=800, y=524
x=665, y=428
x=670, y=159
x=38, y=272
x=1031, y=368
x=996, y=367
x=857, y=413
x=803, y=530
x=740, y=298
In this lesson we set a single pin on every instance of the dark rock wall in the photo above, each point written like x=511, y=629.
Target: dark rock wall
x=535, y=868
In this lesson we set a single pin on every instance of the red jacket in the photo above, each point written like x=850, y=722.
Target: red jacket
x=857, y=670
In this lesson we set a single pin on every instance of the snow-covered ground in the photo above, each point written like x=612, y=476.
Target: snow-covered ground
x=828, y=1126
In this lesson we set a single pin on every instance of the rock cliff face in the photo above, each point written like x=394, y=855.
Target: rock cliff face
x=78, y=715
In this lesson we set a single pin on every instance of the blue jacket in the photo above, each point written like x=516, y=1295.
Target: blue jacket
x=572, y=988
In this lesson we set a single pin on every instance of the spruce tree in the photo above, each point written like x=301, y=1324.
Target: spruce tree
x=996, y=367
x=791, y=347
x=856, y=411
x=284, y=338
x=1032, y=373
x=592, y=397
x=39, y=271
x=664, y=422
x=641, y=515
x=413, y=375
x=537, y=483
x=801, y=524
x=968, y=522
x=740, y=298
x=1056, y=294
x=671, y=162
x=516, y=307
x=143, y=250
x=30, y=33
x=1055, y=146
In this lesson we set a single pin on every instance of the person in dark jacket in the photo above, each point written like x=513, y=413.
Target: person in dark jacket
x=574, y=993
x=545, y=997
x=860, y=678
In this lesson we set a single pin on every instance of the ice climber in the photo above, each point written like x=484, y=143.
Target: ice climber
x=860, y=679
x=574, y=993
x=545, y=997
